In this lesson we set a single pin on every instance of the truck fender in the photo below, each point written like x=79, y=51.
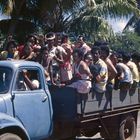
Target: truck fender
x=10, y=124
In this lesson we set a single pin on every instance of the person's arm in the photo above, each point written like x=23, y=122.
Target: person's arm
x=30, y=56
x=29, y=83
x=68, y=50
x=58, y=57
x=59, y=60
x=16, y=55
x=112, y=70
x=120, y=72
x=102, y=74
x=84, y=69
x=99, y=78
x=50, y=70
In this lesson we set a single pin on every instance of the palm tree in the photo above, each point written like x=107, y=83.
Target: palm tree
x=6, y=6
x=134, y=21
x=94, y=18
x=78, y=16
x=12, y=8
x=37, y=11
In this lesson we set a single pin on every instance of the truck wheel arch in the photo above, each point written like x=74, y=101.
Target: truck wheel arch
x=128, y=124
x=15, y=130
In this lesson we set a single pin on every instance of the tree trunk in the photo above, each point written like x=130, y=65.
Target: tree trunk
x=15, y=17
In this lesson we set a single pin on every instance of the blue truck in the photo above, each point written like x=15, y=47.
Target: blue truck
x=54, y=113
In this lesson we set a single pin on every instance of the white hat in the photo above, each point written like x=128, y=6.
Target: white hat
x=50, y=36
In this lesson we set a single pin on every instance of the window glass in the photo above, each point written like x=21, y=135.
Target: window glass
x=5, y=79
x=28, y=80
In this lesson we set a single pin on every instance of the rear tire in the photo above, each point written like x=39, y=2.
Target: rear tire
x=9, y=136
x=127, y=130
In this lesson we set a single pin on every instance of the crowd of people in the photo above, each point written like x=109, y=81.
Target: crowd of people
x=77, y=65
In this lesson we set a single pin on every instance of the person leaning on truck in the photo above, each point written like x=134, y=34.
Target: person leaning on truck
x=99, y=71
x=112, y=72
x=133, y=67
x=81, y=80
x=136, y=59
x=124, y=78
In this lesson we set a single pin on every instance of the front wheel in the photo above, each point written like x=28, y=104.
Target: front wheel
x=127, y=130
x=9, y=136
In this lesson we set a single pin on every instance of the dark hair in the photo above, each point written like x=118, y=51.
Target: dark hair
x=119, y=56
x=27, y=44
x=106, y=49
x=64, y=36
x=12, y=42
x=44, y=48
x=79, y=52
x=50, y=34
x=95, y=48
x=135, y=56
x=81, y=36
x=126, y=57
x=32, y=35
x=87, y=55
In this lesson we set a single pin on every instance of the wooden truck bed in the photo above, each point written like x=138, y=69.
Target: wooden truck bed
x=68, y=104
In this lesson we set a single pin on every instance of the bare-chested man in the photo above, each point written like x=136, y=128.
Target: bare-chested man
x=112, y=72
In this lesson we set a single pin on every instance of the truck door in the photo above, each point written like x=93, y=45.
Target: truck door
x=32, y=106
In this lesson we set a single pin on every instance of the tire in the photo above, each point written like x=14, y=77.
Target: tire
x=9, y=136
x=127, y=130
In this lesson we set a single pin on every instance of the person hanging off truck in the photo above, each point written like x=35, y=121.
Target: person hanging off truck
x=55, y=62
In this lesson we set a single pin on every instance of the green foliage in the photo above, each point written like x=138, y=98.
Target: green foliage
x=128, y=41
x=134, y=22
x=78, y=16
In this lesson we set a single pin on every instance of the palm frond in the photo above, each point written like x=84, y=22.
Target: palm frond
x=92, y=26
x=7, y=6
x=116, y=8
x=132, y=22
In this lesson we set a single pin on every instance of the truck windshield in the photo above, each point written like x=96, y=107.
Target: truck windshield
x=5, y=79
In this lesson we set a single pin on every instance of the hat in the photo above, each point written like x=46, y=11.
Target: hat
x=50, y=36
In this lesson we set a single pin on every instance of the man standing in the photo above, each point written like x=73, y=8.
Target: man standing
x=99, y=71
x=54, y=58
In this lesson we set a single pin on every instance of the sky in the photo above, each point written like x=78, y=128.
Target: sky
x=3, y=16
x=117, y=24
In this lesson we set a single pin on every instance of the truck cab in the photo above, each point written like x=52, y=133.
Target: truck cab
x=27, y=110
